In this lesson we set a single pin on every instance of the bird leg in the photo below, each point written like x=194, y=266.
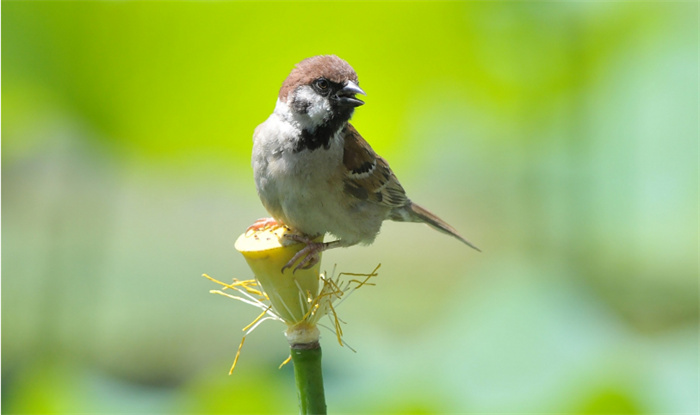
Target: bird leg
x=310, y=254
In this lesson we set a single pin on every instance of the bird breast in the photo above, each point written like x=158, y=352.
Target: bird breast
x=304, y=189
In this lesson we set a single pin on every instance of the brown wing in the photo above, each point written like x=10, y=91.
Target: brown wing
x=368, y=176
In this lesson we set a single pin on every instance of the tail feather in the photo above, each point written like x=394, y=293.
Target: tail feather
x=416, y=213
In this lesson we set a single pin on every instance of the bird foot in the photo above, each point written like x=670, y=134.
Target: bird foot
x=263, y=224
x=308, y=256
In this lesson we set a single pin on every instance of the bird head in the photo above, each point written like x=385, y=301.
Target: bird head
x=322, y=88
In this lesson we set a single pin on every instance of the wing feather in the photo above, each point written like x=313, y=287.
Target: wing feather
x=368, y=176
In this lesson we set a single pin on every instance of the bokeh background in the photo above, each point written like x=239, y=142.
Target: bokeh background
x=561, y=138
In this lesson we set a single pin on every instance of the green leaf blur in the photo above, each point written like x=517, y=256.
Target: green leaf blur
x=561, y=138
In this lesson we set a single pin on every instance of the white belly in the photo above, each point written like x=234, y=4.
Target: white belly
x=305, y=191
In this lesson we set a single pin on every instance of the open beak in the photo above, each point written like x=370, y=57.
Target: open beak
x=346, y=96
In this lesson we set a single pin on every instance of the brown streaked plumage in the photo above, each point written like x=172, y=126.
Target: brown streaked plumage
x=369, y=173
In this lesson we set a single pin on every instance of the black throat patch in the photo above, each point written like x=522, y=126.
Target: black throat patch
x=321, y=136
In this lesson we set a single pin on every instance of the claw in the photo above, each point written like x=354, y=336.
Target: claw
x=307, y=256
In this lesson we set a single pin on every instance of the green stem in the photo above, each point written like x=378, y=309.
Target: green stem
x=309, y=378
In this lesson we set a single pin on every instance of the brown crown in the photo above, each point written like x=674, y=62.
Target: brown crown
x=330, y=67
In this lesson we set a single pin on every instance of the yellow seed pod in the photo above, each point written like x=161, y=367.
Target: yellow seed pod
x=267, y=251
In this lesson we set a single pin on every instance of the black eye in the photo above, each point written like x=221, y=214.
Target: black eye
x=321, y=84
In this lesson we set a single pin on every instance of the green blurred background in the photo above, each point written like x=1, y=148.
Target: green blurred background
x=561, y=138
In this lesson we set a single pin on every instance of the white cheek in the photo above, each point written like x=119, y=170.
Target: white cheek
x=318, y=110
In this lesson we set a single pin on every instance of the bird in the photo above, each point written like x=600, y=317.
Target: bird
x=316, y=174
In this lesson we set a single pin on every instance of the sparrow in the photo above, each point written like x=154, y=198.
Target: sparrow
x=315, y=173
